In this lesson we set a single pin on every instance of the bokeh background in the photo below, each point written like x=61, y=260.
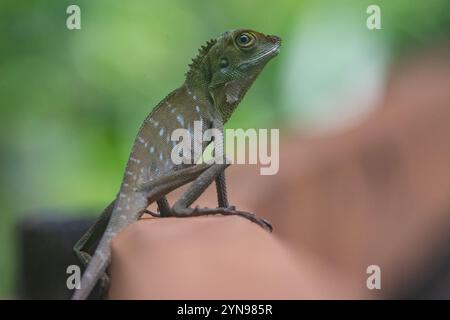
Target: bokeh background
x=71, y=100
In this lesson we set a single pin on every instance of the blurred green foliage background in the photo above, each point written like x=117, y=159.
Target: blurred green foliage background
x=72, y=100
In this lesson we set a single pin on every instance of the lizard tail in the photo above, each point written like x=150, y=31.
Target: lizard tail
x=134, y=204
x=97, y=266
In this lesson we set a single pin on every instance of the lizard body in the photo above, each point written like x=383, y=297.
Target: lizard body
x=217, y=80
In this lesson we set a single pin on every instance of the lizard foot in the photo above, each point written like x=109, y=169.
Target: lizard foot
x=227, y=211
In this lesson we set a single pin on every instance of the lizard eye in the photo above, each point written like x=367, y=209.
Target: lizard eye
x=245, y=40
x=223, y=63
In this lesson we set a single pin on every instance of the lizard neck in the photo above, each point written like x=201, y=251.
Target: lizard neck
x=197, y=85
x=197, y=81
x=197, y=91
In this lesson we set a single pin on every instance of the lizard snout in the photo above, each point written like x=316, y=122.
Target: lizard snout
x=274, y=39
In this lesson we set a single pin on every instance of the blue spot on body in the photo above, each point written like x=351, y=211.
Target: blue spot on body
x=180, y=120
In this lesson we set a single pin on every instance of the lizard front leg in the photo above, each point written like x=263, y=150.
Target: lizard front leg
x=182, y=207
x=221, y=188
x=163, y=206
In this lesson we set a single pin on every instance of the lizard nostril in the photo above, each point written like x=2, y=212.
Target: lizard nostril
x=274, y=39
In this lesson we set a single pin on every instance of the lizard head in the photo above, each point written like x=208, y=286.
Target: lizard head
x=232, y=62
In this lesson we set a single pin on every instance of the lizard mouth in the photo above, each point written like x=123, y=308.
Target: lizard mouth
x=266, y=54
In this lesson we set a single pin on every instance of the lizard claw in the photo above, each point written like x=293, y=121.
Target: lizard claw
x=266, y=223
x=263, y=223
x=153, y=214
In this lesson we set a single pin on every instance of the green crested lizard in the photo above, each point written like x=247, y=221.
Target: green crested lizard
x=218, y=78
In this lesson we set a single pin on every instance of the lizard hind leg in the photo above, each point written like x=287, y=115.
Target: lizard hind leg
x=221, y=188
x=182, y=207
x=85, y=258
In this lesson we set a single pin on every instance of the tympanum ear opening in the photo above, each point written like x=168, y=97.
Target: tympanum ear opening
x=223, y=63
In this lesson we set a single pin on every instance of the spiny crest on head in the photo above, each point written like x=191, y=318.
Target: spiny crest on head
x=202, y=52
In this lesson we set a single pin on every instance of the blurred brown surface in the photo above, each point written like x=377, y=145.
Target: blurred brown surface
x=215, y=258
x=376, y=194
